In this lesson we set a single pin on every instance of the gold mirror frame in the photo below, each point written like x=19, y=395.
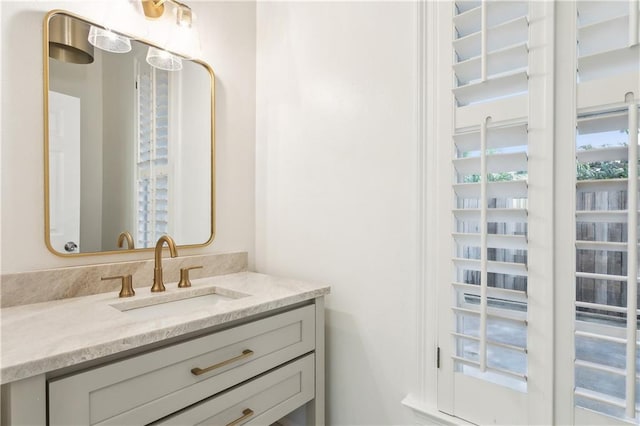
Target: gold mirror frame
x=47, y=205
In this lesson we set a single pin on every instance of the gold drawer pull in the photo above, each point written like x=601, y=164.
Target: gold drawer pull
x=245, y=354
x=246, y=413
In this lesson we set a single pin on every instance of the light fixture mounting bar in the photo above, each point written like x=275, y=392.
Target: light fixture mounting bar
x=154, y=9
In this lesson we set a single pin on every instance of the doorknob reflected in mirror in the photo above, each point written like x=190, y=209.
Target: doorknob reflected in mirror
x=70, y=247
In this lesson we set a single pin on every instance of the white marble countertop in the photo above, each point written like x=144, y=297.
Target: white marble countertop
x=43, y=337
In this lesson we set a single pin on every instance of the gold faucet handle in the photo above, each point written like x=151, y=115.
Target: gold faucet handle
x=184, y=276
x=127, y=285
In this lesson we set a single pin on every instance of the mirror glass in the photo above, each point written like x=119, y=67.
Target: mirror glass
x=129, y=147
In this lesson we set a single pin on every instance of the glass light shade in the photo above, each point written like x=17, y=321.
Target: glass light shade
x=163, y=60
x=108, y=40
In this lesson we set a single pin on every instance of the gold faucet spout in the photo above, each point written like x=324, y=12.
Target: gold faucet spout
x=158, y=285
x=126, y=236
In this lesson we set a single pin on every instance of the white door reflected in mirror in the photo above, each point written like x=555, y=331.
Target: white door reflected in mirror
x=64, y=173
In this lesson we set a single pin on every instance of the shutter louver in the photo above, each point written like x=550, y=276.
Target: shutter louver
x=490, y=66
x=490, y=188
x=606, y=337
x=153, y=155
x=608, y=51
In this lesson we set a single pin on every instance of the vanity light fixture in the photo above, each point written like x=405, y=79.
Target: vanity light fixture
x=183, y=38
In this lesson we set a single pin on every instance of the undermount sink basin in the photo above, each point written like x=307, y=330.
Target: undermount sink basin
x=176, y=303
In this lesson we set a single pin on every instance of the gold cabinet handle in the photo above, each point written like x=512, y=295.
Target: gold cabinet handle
x=246, y=413
x=245, y=354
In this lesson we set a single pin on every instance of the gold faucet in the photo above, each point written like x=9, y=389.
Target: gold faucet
x=158, y=285
x=125, y=236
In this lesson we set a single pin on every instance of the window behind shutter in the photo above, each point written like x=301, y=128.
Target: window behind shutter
x=153, y=155
x=606, y=336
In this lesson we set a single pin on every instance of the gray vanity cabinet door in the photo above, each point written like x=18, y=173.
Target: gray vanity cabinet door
x=147, y=387
x=261, y=401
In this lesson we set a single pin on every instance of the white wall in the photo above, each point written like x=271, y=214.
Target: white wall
x=336, y=186
x=227, y=31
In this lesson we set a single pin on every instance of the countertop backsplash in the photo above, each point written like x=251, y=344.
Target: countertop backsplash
x=53, y=284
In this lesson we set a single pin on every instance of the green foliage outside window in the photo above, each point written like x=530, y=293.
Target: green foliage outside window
x=498, y=177
x=614, y=169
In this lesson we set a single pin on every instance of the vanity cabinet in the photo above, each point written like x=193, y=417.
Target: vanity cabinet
x=149, y=387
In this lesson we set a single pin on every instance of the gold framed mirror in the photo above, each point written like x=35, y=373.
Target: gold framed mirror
x=129, y=148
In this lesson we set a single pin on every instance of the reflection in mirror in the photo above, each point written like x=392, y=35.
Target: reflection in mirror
x=130, y=146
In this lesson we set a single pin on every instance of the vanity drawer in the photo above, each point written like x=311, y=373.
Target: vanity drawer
x=261, y=401
x=147, y=387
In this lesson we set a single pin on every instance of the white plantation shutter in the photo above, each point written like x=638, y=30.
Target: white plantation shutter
x=490, y=280
x=606, y=276
x=606, y=301
x=485, y=332
x=537, y=170
x=153, y=155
